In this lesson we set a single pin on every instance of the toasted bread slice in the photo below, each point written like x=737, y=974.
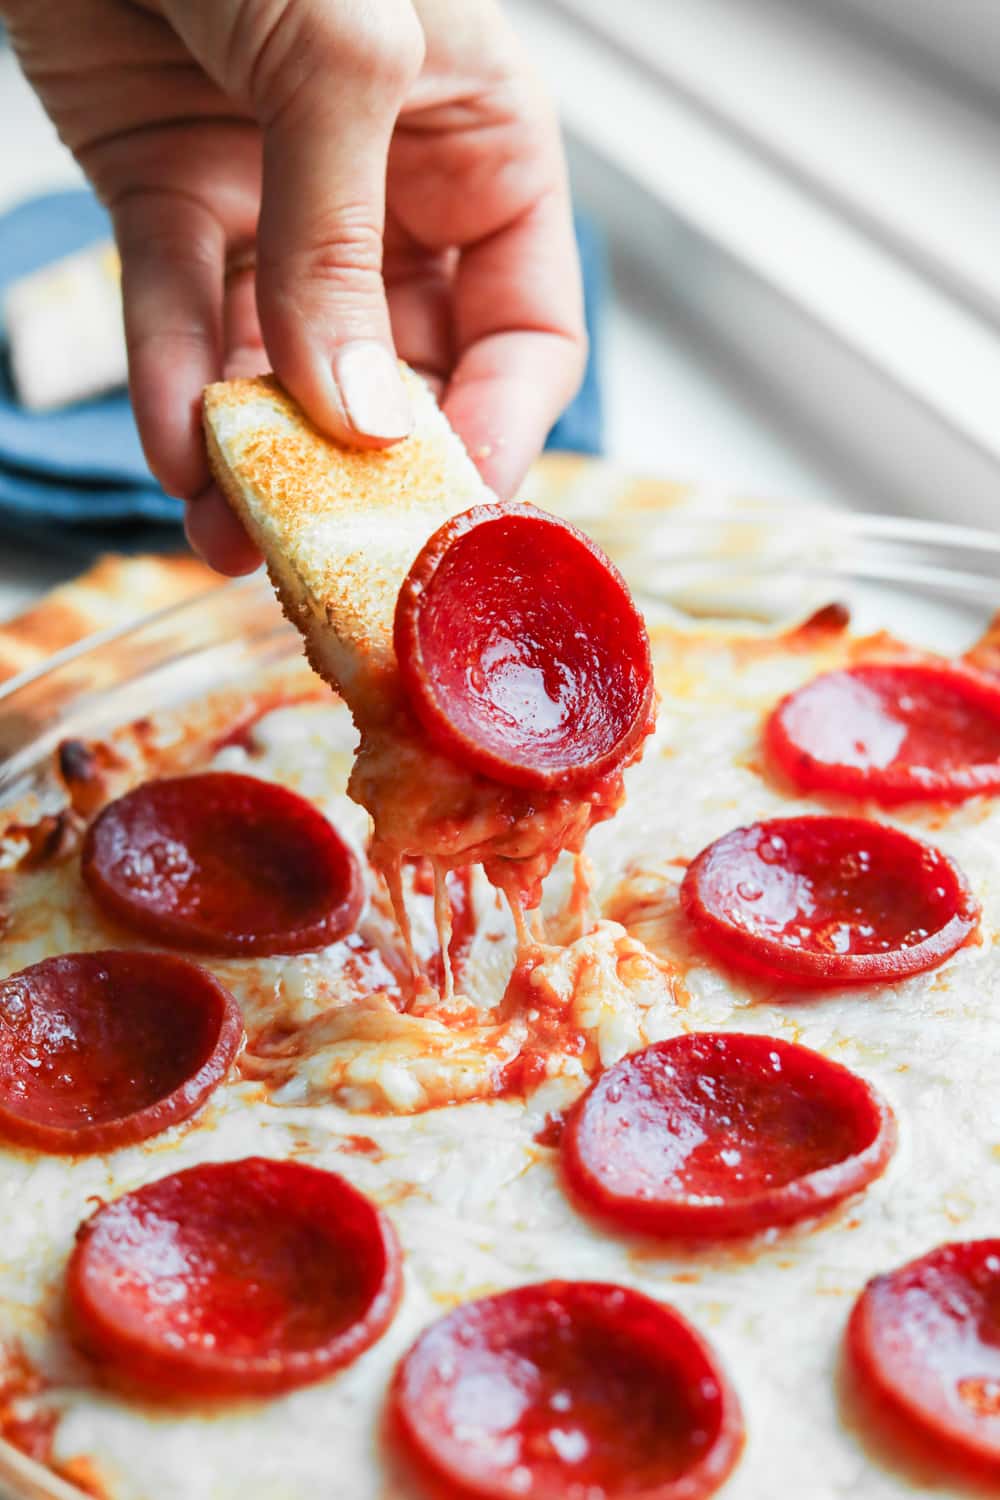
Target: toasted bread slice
x=338, y=527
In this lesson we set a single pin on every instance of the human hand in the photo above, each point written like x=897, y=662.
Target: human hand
x=303, y=183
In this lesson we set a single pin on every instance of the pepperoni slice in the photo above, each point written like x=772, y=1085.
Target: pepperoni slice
x=232, y=1279
x=521, y=650
x=892, y=732
x=926, y=1340
x=827, y=901
x=99, y=1050
x=225, y=864
x=567, y=1389
x=719, y=1133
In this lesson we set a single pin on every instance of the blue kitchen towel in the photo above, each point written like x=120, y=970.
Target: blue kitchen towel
x=84, y=465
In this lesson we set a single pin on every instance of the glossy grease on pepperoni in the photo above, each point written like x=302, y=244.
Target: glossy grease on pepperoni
x=236, y=1279
x=894, y=732
x=715, y=1134
x=925, y=1340
x=566, y=1389
x=223, y=863
x=827, y=901
x=100, y=1050
x=521, y=650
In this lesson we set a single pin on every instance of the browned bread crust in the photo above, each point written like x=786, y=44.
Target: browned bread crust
x=338, y=527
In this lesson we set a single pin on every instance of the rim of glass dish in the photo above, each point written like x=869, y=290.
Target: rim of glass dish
x=669, y=557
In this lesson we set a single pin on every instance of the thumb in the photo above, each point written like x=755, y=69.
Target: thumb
x=328, y=106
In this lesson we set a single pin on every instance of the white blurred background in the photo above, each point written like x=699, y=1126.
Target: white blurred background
x=804, y=199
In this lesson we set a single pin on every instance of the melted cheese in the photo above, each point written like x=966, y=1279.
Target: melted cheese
x=337, y=1068
x=422, y=803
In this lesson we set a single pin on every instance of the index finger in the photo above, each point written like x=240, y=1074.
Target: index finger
x=521, y=339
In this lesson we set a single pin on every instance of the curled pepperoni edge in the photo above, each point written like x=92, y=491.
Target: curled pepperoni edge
x=895, y=1393
x=892, y=784
x=127, y=1360
x=699, y=1218
x=152, y=1119
x=769, y=958
x=418, y=677
x=182, y=932
x=448, y=1473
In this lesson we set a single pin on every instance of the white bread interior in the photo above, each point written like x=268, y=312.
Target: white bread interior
x=339, y=528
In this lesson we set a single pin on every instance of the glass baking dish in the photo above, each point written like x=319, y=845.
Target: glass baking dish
x=681, y=550
x=686, y=553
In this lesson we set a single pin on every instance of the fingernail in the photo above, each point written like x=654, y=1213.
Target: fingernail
x=372, y=391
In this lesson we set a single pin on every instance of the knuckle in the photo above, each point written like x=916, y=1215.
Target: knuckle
x=170, y=341
x=385, y=50
x=160, y=228
x=271, y=54
x=377, y=48
x=172, y=247
x=342, y=259
x=337, y=267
